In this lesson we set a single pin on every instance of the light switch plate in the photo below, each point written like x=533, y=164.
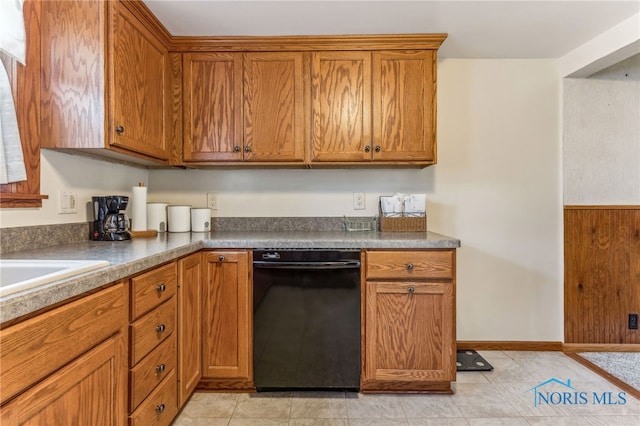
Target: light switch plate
x=68, y=202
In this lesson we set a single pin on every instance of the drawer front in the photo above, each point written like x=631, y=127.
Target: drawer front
x=39, y=346
x=151, y=370
x=160, y=407
x=410, y=265
x=151, y=330
x=152, y=288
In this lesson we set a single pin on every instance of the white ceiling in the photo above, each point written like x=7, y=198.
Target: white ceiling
x=477, y=29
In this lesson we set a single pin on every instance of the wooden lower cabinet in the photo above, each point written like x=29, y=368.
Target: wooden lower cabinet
x=409, y=321
x=68, y=365
x=153, y=385
x=190, y=280
x=227, y=357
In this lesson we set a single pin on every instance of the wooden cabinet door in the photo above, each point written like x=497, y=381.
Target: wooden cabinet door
x=404, y=89
x=228, y=313
x=273, y=107
x=340, y=106
x=85, y=392
x=409, y=332
x=139, y=87
x=190, y=279
x=212, y=103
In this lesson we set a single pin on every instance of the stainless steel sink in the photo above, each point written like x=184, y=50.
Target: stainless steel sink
x=19, y=275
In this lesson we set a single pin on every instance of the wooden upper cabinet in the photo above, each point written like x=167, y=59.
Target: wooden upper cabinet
x=243, y=107
x=273, y=107
x=105, y=80
x=340, y=106
x=212, y=105
x=404, y=105
x=139, y=93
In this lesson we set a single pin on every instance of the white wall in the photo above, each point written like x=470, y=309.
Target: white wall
x=497, y=187
x=86, y=176
x=602, y=136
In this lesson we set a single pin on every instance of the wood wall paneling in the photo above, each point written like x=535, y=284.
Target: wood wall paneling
x=602, y=278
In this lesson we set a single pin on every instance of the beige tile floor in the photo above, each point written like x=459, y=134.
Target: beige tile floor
x=501, y=397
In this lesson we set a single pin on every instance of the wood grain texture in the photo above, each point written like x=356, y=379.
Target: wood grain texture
x=600, y=347
x=143, y=334
x=298, y=43
x=273, y=95
x=509, y=345
x=228, y=315
x=164, y=395
x=409, y=332
x=25, y=86
x=341, y=106
x=73, y=74
x=404, y=88
x=212, y=100
x=146, y=293
x=190, y=305
x=88, y=391
x=146, y=375
x=410, y=265
x=140, y=86
x=602, y=283
x=176, y=116
x=37, y=347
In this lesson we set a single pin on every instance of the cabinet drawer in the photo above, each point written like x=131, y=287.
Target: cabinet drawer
x=152, y=288
x=410, y=265
x=160, y=407
x=39, y=346
x=151, y=370
x=152, y=329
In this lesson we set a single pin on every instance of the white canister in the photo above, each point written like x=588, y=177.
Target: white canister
x=179, y=218
x=157, y=216
x=200, y=220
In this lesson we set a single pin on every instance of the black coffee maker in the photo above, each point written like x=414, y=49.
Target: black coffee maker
x=110, y=223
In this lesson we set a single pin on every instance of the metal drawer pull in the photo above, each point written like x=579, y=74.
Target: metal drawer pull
x=410, y=266
x=160, y=408
x=119, y=130
x=411, y=290
x=367, y=148
x=160, y=368
x=221, y=258
x=160, y=328
x=161, y=288
x=378, y=148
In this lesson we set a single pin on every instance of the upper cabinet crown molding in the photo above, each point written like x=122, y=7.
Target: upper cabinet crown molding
x=308, y=43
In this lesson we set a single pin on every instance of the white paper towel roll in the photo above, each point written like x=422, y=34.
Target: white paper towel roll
x=139, y=208
x=200, y=220
x=157, y=216
x=179, y=218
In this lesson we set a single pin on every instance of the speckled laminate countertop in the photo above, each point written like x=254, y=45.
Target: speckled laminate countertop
x=128, y=258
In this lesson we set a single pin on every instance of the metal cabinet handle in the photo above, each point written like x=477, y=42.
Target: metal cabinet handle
x=410, y=266
x=378, y=148
x=119, y=130
x=236, y=148
x=411, y=290
x=367, y=148
x=247, y=148
x=160, y=288
x=221, y=258
x=160, y=408
x=160, y=368
x=161, y=328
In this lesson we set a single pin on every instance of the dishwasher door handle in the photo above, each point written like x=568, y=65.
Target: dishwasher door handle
x=341, y=264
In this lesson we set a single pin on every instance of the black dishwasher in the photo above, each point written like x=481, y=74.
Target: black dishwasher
x=306, y=320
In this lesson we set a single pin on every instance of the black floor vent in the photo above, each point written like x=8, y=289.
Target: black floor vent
x=469, y=360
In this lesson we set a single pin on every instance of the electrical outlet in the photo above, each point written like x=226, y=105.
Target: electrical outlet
x=633, y=321
x=68, y=202
x=212, y=200
x=358, y=200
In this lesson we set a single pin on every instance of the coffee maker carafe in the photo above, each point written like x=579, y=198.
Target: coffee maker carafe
x=110, y=223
